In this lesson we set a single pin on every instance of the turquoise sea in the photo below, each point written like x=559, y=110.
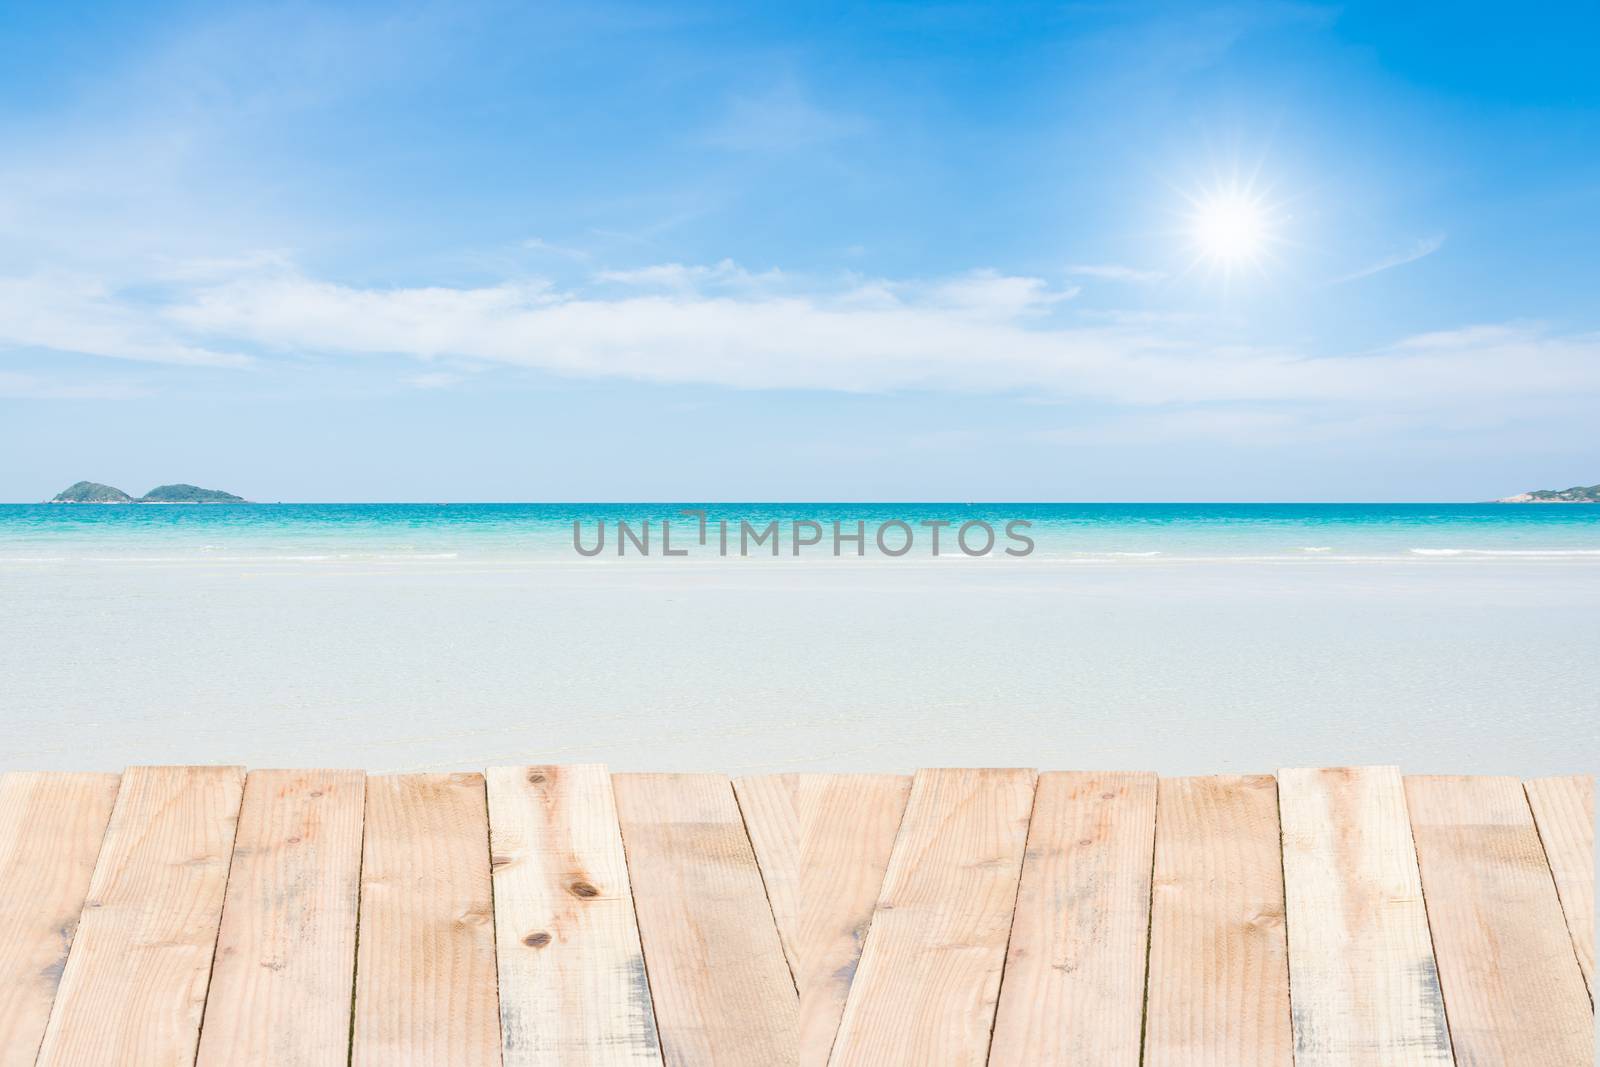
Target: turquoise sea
x=1085, y=533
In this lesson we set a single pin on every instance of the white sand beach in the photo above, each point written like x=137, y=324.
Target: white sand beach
x=1466, y=667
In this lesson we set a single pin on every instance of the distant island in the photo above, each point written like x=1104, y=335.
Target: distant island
x=95, y=493
x=1578, y=494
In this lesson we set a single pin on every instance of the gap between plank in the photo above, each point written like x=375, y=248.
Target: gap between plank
x=227, y=884
x=1150, y=920
x=873, y=914
x=355, y=965
x=644, y=956
x=1572, y=936
x=999, y=990
x=1427, y=915
x=766, y=889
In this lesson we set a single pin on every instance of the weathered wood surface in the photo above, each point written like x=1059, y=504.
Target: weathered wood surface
x=425, y=967
x=285, y=956
x=1219, y=954
x=573, y=990
x=562, y=916
x=848, y=824
x=722, y=989
x=1512, y=987
x=767, y=803
x=51, y=826
x=1563, y=809
x=134, y=987
x=1075, y=971
x=1363, y=984
x=929, y=977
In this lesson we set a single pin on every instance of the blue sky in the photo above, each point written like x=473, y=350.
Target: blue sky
x=888, y=251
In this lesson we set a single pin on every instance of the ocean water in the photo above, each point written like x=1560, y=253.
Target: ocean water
x=1083, y=533
x=1185, y=639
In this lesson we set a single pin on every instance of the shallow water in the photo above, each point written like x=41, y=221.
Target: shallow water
x=421, y=647
x=545, y=532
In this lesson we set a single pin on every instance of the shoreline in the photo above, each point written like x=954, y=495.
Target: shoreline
x=435, y=559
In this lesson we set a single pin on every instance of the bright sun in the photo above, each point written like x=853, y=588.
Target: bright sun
x=1230, y=229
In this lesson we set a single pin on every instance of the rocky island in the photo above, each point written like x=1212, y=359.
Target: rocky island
x=95, y=493
x=1578, y=494
x=91, y=493
x=180, y=493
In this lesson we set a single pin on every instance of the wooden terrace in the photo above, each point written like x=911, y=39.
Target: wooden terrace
x=566, y=916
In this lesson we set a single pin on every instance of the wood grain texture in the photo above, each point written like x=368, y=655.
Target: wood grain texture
x=51, y=826
x=286, y=953
x=573, y=991
x=767, y=803
x=1563, y=810
x=135, y=982
x=425, y=963
x=1363, y=984
x=929, y=976
x=848, y=824
x=1512, y=987
x=1074, y=979
x=1219, y=955
x=722, y=989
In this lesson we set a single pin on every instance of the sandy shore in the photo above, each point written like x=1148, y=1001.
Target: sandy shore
x=1469, y=667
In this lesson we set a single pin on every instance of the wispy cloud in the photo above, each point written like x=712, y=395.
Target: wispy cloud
x=992, y=295
x=1419, y=249
x=688, y=278
x=1228, y=424
x=539, y=244
x=978, y=332
x=1114, y=272
x=73, y=313
x=433, y=380
x=983, y=331
x=783, y=119
x=14, y=386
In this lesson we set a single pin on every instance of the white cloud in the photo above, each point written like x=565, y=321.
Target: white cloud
x=993, y=295
x=687, y=278
x=1114, y=272
x=72, y=313
x=1422, y=247
x=971, y=332
x=980, y=333
x=977, y=332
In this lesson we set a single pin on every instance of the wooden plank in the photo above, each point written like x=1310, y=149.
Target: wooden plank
x=1512, y=987
x=573, y=991
x=925, y=989
x=51, y=826
x=1219, y=955
x=1563, y=810
x=135, y=982
x=1074, y=979
x=767, y=803
x=1363, y=984
x=425, y=962
x=721, y=987
x=286, y=953
x=848, y=824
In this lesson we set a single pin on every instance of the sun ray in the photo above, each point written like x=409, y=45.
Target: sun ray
x=1232, y=227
